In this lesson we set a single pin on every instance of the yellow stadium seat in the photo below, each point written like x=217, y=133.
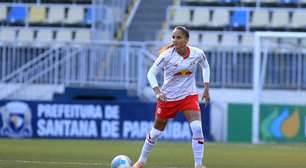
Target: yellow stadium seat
x=37, y=14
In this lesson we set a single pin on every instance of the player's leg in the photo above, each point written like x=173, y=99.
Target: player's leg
x=151, y=139
x=194, y=119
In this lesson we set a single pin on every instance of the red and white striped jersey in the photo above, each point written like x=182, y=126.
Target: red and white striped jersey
x=179, y=72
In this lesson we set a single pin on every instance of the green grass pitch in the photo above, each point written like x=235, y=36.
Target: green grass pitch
x=98, y=154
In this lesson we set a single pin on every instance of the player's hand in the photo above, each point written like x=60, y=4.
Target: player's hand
x=161, y=97
x=206, y=97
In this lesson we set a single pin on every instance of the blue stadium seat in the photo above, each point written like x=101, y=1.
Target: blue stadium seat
x=88, y=16
x=17, y=14
x=229, y=1
x=288, y=1
x=239, y=19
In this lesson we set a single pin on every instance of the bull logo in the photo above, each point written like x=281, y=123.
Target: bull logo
x=183, y=73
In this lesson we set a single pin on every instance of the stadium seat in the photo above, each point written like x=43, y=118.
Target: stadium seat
x=7, y=35
x=201, y=17
x=210, y=39
x=239, y=19
x=298, y=19
x=248, y=1
x=17, y=14
x=44, y=35
x=289, y=1
x=221, y=18
x=229, y=39
x=25, y=35
x=229, y=1
x=3, y=13
x=37, y=14
x=268, y=1
x=181, y=16
x=247, y=40
x=56, y=14
x=88, y=16
x=75, y=15
x=194, y=37
x=64, y=35
x=82, y=36
x=260, y=18
x=280, y=19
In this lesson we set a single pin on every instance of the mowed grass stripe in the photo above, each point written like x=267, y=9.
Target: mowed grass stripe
x=98, y=154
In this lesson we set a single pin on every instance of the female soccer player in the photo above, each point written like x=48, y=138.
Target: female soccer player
x=178, y=93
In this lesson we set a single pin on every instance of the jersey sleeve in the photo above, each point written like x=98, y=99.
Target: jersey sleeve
x=155, y=68
x=205, y=67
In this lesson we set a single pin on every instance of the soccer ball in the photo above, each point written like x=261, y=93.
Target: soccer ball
x=121, y=161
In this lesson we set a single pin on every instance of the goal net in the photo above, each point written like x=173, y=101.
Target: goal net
x=279, y=85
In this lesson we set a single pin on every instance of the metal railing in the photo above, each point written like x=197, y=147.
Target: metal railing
x=123, y=65
x=101, y=64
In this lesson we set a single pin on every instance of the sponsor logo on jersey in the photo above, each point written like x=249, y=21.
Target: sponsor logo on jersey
x=183, y=73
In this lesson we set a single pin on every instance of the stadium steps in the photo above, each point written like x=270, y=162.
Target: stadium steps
x=148, y=20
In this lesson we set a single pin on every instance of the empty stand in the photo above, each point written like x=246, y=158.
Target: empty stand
x=229, y=39
x=247, y=40
x=268, y=2
x=201, y=17
x=220, y=18
x=75, y=15
x=88, y=16
x=82, y=36
x=3, y=13
x=37, y=15
x=7, y=35
x=25, y=35
x=260, y=19
x=280, y=19
x=44, y=35
x=298, y=19
x=210, y=39
x=239, y=19
x=56, y=15
x=253, y=2
x=63, y=35
x=194, y=38
x=180, y=17
x=17, y=14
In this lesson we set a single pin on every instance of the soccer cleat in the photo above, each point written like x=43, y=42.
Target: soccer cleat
x=138, y=165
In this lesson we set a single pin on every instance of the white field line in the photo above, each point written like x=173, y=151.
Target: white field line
x=61, y=163
x=54, y=162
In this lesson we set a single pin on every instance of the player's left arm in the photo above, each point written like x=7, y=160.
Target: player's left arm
x=206, y=76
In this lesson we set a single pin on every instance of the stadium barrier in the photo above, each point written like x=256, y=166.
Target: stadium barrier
x=129, y=120
x=123, y=65
x=278, y=123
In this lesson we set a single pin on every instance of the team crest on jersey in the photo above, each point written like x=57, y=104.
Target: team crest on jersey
x=16, y=120
x=183, y=73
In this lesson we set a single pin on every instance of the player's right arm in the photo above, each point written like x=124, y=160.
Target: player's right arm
x=152, y=73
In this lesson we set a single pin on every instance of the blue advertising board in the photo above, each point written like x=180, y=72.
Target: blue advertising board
x=88, y=120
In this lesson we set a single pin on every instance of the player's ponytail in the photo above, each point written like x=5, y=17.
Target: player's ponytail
x=165, y=48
